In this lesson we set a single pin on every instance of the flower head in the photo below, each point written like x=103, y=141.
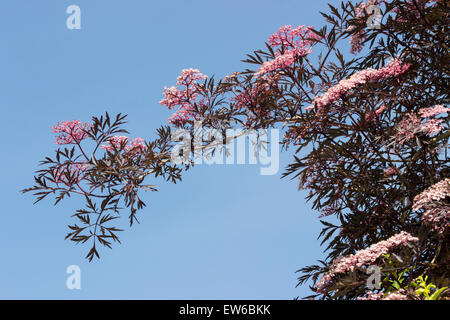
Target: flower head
x=184, y=98
x=122, y=143
x=71, y=131
x=363, y=258
x=393, y=69
x=289, y=43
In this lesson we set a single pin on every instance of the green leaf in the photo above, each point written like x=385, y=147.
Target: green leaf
x=435, y=295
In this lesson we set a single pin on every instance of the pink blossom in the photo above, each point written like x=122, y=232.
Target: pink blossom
x=433, y=111
x=289, y=43
x=71, y=131
x=399, y=295
x=407, y=128
x=182, y=115
x=363, y=258
x=253, y=99
x=390, y=172
x=189, y=76
x=136, y=146
x=432, y=126
x=280, y=62
x=184, y=98
x=174, y=97
x=436, y=212
x=300, y=38
x=356, y=41
x=248, y=98
x=396, y=296
x=357, y=38
x=115, y=142
x=436, y=192
x=437, y=217
x=372, y=296
x=411, y=124
x=393, y=69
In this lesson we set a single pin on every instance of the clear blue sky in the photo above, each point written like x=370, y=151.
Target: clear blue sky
x=225, y=232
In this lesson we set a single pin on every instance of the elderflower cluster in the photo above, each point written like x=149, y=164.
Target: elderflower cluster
x=363, y=258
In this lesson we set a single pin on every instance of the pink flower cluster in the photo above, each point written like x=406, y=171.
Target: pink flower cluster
x=432, y=126
x=115, y=142
x=390, y=172
x=433, y=111
x=136, y=145
x=300, y=38
x=372, y=296
x=438, y=218
x=184, y=98
x=356, y=41
x=399, y=295
x=280, y=62
x=71, y=131
x=393, y=69
x=411, y=124
x=363, y=258
x=249, y=98
x=436, y=211
x=357, y=38
x=295, y=42
x=407, y=128
x=396, y=296
x=253, y=99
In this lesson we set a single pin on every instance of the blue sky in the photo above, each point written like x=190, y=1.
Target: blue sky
x=225, y=232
